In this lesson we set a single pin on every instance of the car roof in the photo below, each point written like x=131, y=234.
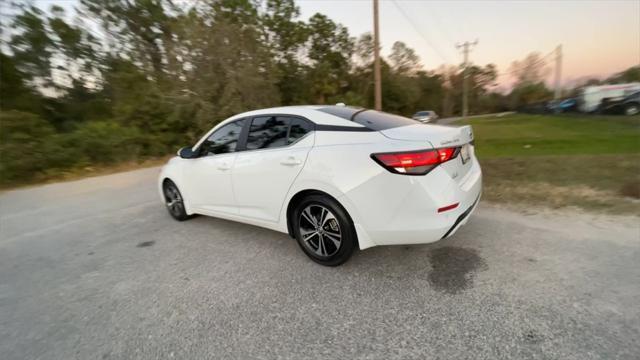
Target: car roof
x=310, y=112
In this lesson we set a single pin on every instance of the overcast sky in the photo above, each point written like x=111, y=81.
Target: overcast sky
x=598, y=37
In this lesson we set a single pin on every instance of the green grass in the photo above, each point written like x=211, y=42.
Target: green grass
x=592, y=162
x=535, y=135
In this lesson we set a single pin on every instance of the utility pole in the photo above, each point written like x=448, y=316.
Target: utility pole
x=466, y=47
x=558, y=70
x=376, y=62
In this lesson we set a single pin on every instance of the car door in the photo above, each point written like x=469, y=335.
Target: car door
x=209, y=175
x=276, y=150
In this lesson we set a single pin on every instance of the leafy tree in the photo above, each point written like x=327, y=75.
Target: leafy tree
x=632, y=74
x=139, y=30
x=528, y=93
x=530, y=70
x=286, y=36
x=330, y=51
x=14, y=93
x=364, y=49
x=31, y=46
x=404, y=59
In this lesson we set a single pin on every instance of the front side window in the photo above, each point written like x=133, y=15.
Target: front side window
x=223, y=140
x=267, y=132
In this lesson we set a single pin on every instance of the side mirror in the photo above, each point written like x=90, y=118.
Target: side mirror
x=187, y=153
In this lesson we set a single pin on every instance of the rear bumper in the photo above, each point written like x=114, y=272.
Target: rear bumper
x=405, y=211
x=461, y=220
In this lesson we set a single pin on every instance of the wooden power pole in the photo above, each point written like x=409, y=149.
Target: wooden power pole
x=558, y=88
x=376, y=61
x=466, y=46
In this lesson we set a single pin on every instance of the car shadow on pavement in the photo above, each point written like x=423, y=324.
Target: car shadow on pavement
x=449, y=269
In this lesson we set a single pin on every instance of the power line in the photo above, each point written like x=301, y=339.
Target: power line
x=415, y=27
x=434, y=15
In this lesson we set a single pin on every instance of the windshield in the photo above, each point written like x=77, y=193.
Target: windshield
x=423, y=113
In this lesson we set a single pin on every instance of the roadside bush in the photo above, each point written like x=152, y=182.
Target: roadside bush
x=103, y=142
x=29, y=147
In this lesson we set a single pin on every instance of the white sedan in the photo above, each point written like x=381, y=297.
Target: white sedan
x=335, y=178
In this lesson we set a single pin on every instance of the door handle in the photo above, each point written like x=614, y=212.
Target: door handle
x=291, y=161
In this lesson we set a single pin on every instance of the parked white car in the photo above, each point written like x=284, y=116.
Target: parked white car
x=335, y=178
x=425, y=116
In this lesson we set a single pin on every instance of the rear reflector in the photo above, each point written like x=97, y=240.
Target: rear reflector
x=448, y=207
x=415, y=162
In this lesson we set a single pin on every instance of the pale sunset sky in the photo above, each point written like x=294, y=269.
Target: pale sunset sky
x=598, y=37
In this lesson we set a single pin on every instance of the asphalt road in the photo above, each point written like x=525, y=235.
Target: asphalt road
x=96, y=269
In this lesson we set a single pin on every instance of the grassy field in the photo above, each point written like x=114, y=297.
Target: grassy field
x=592, y=162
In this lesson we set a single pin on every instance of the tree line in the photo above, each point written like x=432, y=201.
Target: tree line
x=121, y=80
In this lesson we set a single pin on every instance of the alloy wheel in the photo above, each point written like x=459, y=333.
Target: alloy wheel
x=320, y=230
x=173, y=200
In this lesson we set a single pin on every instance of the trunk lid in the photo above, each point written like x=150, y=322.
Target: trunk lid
x=438, y=135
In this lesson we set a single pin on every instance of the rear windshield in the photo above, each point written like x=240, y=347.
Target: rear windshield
x=422, y=113
x=374, y=120
x=344, y=112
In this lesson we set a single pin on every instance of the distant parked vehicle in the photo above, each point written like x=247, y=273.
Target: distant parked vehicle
x=599, y=98
x=629, y=105
x=425, y=116
x=560, y=106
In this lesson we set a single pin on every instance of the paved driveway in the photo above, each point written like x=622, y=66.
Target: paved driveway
x=96, y=269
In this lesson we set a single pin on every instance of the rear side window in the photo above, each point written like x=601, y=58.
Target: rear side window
x=299, y=128
x=223, y=140
x=267, y=132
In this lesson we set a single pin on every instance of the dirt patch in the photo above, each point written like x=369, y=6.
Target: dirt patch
x=558, y=196
x=631, y=189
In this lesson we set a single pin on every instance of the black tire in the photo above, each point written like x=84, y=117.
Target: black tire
x=632, y=109
x=174, y=201
x=329, y=225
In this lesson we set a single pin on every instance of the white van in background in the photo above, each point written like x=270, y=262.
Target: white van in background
x=591, y=97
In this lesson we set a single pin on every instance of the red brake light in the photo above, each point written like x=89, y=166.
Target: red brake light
x=415, y=162
x=446, y=154
x=409, y=159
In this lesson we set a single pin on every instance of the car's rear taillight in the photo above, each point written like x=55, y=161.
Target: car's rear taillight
x=415, y=162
